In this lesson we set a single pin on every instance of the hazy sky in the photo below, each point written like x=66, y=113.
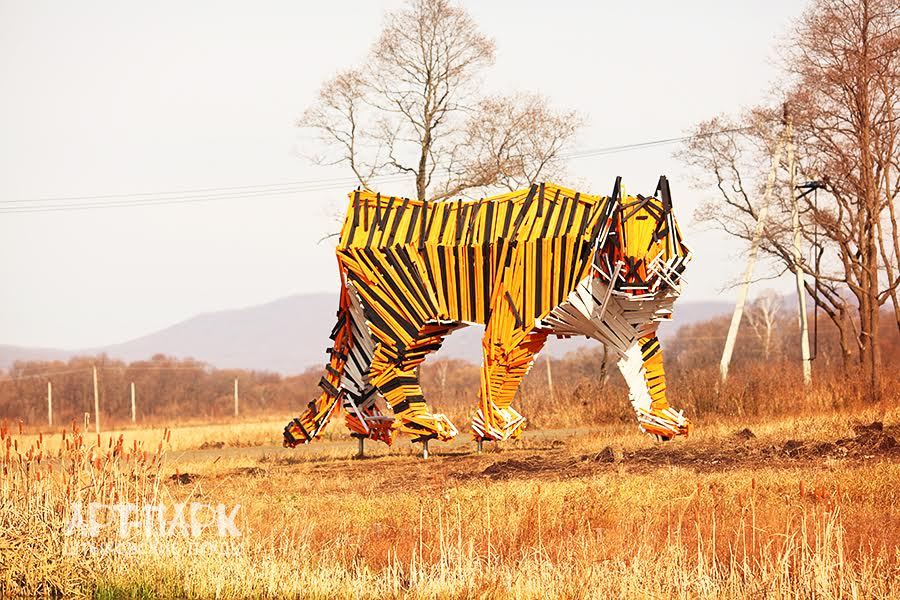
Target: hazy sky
x=122, y=97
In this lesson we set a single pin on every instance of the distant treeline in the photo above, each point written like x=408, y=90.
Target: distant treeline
x=765, y=377
x=165, y=388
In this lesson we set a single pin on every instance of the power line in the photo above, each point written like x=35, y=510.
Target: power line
x=165, y=201
x=650, y=144
x=330, y=180
x=45, y=375
x=49, y=374
x=124, y=201
x=213, y=194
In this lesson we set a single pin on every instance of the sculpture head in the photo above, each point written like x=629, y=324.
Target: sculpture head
x=643, y=254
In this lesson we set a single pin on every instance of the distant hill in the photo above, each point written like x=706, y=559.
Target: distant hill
x=289, y=335
x=10, y=354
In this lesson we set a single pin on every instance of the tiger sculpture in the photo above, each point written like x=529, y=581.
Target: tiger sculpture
x=540, y=261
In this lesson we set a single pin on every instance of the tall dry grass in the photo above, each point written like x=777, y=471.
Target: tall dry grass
x=397, y=527
x=38, y=489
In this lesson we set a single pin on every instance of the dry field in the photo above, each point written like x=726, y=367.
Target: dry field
x=799, y=507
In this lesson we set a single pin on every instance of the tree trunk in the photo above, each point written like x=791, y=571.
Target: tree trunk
x=604, y=367
x=871, y=354
x=868, y=332
x=844, y=340
x=869, y=200
x=421, y=172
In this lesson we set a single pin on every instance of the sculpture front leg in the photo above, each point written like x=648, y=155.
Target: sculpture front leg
x=642, y=368
x=501, y=374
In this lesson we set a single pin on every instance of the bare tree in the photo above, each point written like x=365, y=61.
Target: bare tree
x=413, y=109
x=763, y=314
x=338, y=116
x=732, y=155
x=518, y=139
x=845, y=58
x=844, y=64
x=603, y=376
x=442, y=367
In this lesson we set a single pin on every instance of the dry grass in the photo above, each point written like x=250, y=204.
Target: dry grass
x=38, y=488
x=544, y=517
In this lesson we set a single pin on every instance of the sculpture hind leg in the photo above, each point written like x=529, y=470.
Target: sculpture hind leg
x=505, y=364
x=363, y=415
x=394, y=372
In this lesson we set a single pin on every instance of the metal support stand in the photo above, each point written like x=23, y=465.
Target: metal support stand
x=424, y=440
x=478, y=443
x=360, y=447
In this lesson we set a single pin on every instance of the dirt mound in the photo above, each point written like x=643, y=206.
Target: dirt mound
x=870, y=439
x=549, y=461
x=607, y=455
x=873, y=427
x=535, y=463
x=739, y=448
x=744, y=435
x=183, y=478
x=794, y=448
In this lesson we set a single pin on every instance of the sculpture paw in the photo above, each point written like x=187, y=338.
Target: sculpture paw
x=663, y=424
x=506, y=424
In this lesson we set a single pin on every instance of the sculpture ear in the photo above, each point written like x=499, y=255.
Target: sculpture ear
x=662, y=188
x=617, y=188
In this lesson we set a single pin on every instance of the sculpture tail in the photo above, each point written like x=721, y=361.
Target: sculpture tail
x=345, y=382
x=307, y=426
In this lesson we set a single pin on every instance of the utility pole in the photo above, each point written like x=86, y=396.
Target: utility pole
x=49, y=404
x=96, y=403
x=235, y=396
x=798, y=254
x=133, y=405
x=751, y=255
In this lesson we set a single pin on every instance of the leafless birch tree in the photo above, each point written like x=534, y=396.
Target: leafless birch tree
x=414, y=109
x=762, y=315
x=843, y=64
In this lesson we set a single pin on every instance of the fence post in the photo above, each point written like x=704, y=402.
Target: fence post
x=235, y=396
x=96, y=403
x=133, y=406
x=549, y=379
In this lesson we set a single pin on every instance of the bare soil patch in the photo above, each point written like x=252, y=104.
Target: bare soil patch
x=741, y=449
